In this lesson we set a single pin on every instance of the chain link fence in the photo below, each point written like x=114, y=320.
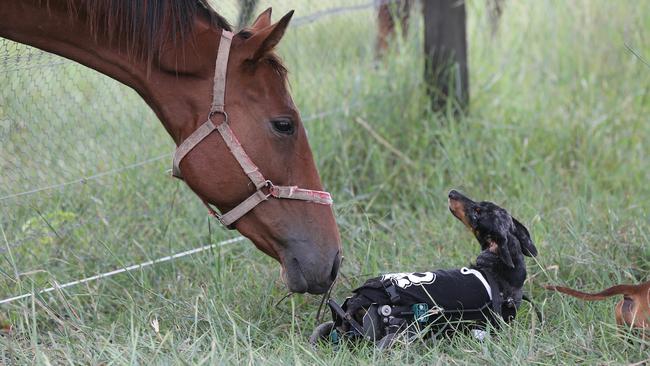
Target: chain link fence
x=83, y=183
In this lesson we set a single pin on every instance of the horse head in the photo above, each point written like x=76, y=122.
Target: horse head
x=301, y=235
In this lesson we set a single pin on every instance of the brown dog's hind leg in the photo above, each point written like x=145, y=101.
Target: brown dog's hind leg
x=618, y=313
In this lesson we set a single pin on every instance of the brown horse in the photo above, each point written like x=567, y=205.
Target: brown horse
x=166, y=50
x=391, y=11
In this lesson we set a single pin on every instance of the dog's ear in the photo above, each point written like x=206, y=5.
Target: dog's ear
x=500, y=246
x=522, y=234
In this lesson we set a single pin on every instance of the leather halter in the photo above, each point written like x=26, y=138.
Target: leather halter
x=264, y=187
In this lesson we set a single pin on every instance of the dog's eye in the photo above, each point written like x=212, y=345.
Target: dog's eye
x=477, y=210
x=283, y=126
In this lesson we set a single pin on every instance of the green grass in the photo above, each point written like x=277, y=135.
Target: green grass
x=557, y=133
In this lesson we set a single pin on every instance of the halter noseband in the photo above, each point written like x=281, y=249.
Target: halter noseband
x=264, y=187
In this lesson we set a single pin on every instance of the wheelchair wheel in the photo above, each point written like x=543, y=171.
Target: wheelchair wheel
x=321, y=333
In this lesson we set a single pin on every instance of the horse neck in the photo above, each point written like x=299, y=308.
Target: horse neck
x=49, y=25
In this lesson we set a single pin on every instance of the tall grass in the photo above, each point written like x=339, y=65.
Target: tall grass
x=557, y=133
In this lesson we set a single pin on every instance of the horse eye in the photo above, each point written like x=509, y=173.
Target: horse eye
x=283, y=126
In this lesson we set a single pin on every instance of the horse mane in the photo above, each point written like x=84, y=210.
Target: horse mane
x=144, y=27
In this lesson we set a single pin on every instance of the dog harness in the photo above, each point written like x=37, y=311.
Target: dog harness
x=264, y=187
x=443, y=291
x=465, y=287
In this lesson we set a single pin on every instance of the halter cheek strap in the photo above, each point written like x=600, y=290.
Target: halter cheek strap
x=264, y=187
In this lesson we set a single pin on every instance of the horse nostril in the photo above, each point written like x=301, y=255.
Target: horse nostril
x=335, y=266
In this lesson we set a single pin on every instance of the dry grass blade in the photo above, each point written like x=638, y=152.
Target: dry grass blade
x=383, y=141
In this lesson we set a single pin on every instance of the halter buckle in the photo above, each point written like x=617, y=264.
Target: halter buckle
x=269, y=186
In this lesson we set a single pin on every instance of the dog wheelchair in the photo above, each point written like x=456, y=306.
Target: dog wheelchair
x=380, y=324
x=380, y=312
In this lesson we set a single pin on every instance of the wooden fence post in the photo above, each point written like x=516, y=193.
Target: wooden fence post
x=246, y=12
x=445, y=47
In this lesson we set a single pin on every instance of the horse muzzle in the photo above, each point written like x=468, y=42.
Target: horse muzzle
x=307, y=272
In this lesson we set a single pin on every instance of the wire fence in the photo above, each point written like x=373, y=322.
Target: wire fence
x=14, y=55
x=83, y=159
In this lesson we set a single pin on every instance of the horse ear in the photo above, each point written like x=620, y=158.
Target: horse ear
x=263, y=20
x=522, y=234
x=263, y=41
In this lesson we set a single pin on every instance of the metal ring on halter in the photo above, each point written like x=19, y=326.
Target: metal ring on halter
x=225, y=115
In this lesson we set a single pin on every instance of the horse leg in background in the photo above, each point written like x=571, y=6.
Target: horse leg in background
x=495, y=10
x=391, y=11
x=246, y=10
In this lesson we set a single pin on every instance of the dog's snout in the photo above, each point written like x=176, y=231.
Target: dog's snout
x=456, y=196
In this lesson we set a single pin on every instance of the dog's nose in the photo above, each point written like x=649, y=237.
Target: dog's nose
x=453, y=194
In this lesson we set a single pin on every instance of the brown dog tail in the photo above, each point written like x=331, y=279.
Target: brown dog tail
x=614, y=290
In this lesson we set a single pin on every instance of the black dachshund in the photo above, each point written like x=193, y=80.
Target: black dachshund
x=442, y=300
